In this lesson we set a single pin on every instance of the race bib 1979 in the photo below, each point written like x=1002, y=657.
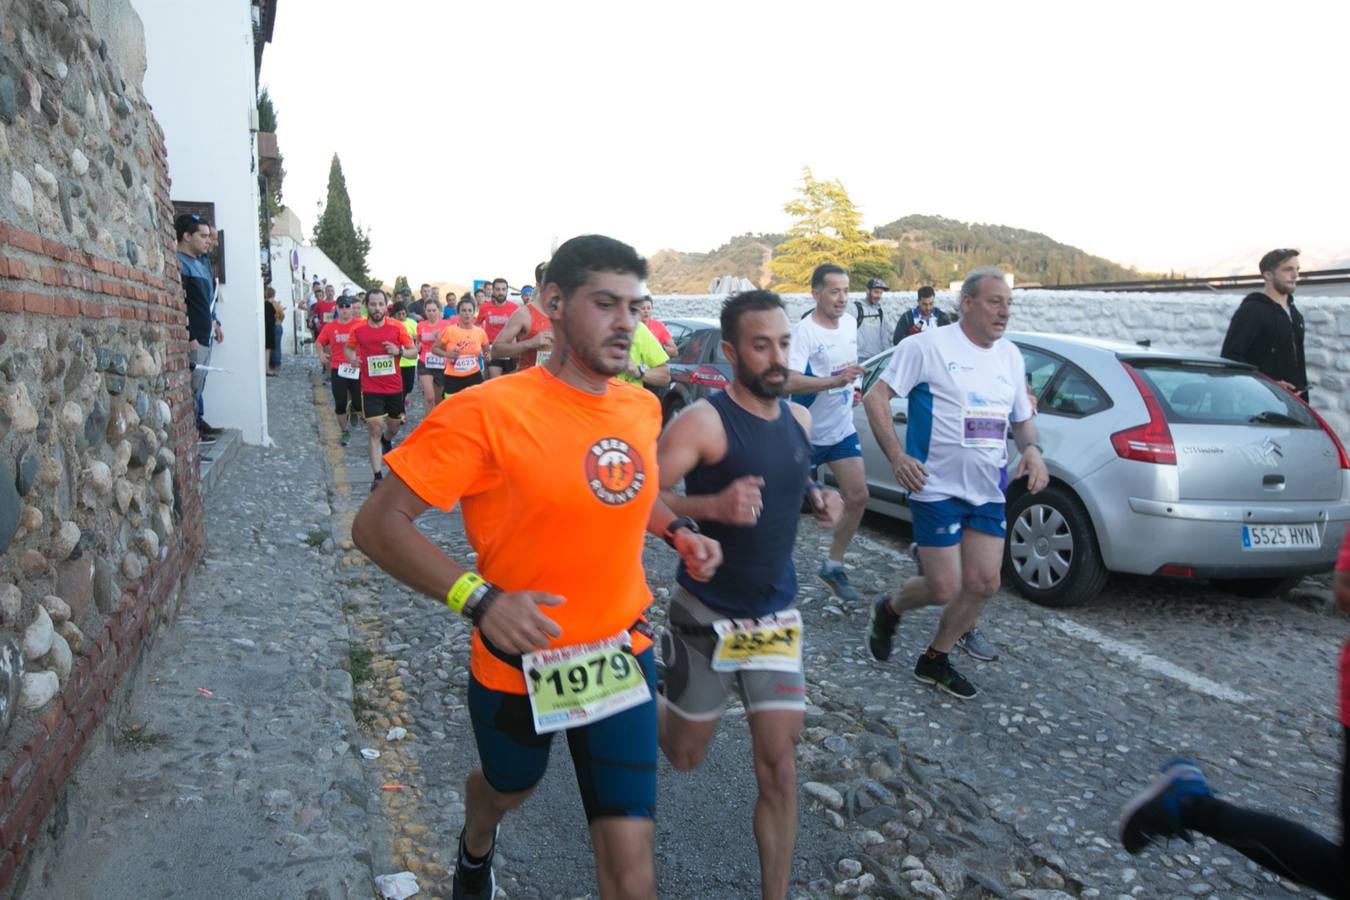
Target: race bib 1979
x=571, y=686
x=380, y=365
x=772, y=642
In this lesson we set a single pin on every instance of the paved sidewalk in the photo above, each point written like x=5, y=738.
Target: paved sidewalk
x=234, y=770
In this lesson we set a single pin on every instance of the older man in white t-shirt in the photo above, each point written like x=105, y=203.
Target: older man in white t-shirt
x=823, y=372
x=965, y=385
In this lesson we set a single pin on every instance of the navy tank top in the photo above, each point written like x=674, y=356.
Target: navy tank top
x=757, y=576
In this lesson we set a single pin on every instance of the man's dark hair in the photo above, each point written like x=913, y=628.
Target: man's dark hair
x=424, y=284
x=579, y=257
x=1276, y=258
x=497, y=281
x=540, y=271
x=927, y=291
x=739, y=304
x=818, y=276
x=188, y=223
x=373, y=291
x=398, y=307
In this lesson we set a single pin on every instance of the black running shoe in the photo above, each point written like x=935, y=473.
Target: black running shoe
x=945, y=676
x=1156, y=811
x=386, y=445
x=477, y=882
x=204, y=428
x=881, y=626
x=379, y=476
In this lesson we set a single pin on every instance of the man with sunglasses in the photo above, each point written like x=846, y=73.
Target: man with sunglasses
x=376, y=347
x=346, y=380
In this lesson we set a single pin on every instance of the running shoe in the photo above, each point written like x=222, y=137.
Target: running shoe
x=837, y=579
x=1156, y=811
x=474, y=882
x=914, y=555
x=942, y=674
x=346, y=438
x=386, y=445
x=379, y=476
x=977, y=646
x=353, y=419
x=881, y=626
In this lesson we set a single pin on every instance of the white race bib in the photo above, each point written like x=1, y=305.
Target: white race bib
x=772, y=642
x=347, y=370
x=381, y=365
x=434, y=362
x=542, y=357
x=466, y=363
x=571, y=686
x=984, y=426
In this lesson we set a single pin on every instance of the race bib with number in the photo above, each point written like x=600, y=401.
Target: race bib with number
x=571, y=686
x=772, y=642
x=434, y=362
x=984, y=426
x=542, y=357
x=381, y=365
x=347, y=370
x=466, y=363
x=328, y=317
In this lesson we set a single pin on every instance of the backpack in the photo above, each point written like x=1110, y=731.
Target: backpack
x=857, y=312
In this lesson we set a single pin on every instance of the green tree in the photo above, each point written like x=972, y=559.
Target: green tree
x=401, y=284
x=337, y=236
x=269, y=205
x=827, y=229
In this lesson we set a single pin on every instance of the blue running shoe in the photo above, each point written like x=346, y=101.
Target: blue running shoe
x=1156, y=811
x=837, y=579
x=977, y=646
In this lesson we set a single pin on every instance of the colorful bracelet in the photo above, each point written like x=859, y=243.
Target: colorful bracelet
x=467, y=588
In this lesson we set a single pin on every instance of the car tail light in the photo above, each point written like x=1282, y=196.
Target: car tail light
x=1152, y=441
x=707, y=376
x=1335, y=439
x=1172, y=570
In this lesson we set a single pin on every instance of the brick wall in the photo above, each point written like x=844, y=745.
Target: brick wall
x=100, y=505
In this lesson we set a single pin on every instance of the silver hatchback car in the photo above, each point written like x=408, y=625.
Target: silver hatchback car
x=1160, y=464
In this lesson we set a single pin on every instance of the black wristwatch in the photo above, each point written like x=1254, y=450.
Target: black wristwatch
x=675, y=525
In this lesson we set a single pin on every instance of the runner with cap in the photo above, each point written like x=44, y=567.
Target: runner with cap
x=346, y=377
x=559, y=642
x=375, y=348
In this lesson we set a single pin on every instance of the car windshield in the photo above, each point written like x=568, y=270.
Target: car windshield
x=1214, y=395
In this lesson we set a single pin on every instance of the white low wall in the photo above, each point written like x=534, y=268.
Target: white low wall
x=1187, y=323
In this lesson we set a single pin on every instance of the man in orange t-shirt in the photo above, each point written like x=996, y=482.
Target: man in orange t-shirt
x=462, y=345
x=346, y=380
x=568, y=610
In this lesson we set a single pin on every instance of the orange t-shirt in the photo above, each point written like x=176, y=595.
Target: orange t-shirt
x=556, y=486
x=461, y=348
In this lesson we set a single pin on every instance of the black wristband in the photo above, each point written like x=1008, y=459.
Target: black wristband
x=481, y=606
x=675, y=525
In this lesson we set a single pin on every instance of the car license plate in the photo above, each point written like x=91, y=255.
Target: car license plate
x=1280, y=537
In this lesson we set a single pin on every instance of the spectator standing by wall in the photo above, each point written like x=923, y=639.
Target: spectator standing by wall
x=1267, y=329
x=922, y=317
x=270, y=343
x=199, y=286
x=873, y=336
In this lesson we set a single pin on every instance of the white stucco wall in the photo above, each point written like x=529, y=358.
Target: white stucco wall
x=293, y=287
x=199, y=79
x=1186, y=323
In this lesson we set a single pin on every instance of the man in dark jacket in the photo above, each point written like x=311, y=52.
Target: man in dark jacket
x=922, y=317
x=1267, y=329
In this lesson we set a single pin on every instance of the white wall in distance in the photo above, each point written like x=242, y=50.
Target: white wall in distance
x=199, y=80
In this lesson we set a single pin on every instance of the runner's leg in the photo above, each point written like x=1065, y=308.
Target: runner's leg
x=981, y=558
x=624, y=867
x=484, y=808
x=684, y=741
x=429, y=393
x=375, y=429
x=937, y=586
x=775, y=734
x=853, y=486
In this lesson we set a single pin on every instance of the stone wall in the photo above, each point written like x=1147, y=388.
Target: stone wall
x=1184, y=323
x=100, y=510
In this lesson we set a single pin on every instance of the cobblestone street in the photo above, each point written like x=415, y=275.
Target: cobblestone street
x=906, y=791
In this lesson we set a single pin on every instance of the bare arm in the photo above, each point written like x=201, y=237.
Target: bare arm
x=694, y=437
x=909, y=472
x=826, y=503
x=657, y=376
x=1032, y=464
x=507, y=344
x=797, y=383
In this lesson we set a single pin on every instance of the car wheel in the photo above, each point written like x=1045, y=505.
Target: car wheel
x=1256, y=588
x=1051, y=554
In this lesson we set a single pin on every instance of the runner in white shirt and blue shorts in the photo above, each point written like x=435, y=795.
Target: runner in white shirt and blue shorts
x=965, y=385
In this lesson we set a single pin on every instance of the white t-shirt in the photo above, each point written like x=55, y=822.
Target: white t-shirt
x=961, y=398
x=822, y=352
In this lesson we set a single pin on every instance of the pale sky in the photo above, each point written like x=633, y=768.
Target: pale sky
x=474, y=134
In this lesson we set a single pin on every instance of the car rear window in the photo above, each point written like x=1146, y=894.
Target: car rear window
x=1213, y=395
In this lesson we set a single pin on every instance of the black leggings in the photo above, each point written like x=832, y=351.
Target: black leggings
x=346, y=394
x=1286, y=848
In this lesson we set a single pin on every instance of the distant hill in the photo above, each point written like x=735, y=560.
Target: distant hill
x=937, y=251
x=924, y=250
x=747, y=256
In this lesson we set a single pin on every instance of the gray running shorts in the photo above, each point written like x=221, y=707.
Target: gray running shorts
x=694, y=690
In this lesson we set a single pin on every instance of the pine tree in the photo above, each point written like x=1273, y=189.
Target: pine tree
x=336, y=235
x=828, y=229
x=401, y=284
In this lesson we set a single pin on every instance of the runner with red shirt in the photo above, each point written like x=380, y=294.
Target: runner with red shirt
x=430, y=367
x=1180, y=801
x=375, y=348
x=492, y=318
x=346, y=380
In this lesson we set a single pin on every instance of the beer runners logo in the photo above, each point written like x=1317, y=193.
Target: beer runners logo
x=614, y=471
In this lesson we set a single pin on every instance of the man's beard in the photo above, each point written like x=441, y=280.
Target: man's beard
x=590, y=357
x=760, y=386
x=376, y=319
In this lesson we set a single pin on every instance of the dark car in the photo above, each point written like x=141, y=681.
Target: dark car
x=699, y=369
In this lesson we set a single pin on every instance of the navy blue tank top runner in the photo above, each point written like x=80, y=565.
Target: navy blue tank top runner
x=757, y=576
